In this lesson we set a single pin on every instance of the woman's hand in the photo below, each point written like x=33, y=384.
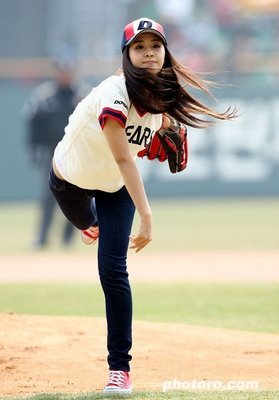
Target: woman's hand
x=144, y=236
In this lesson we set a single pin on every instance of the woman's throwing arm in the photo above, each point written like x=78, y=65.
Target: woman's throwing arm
x=119, y=146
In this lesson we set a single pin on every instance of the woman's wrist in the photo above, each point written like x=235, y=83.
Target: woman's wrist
x=166, y=122
x=146, y=215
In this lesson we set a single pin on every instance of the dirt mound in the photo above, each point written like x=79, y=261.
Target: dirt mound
x=68, y=354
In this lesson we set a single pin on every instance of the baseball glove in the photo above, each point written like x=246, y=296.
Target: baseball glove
x=169, y=144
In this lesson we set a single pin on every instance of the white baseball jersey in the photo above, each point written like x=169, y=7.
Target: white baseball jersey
x=83, y=156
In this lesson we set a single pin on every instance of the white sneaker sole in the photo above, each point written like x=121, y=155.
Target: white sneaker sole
x=116, y=390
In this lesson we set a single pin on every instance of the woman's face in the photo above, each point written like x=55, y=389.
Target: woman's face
x=147, y=52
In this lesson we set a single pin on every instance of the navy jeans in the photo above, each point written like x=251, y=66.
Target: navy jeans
x=113, y=213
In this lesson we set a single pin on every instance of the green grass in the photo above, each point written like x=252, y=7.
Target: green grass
x=252, y=307
x=217, y=224
x=264, y=395
x=178, y=225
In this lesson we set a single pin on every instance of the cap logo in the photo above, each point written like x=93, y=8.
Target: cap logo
x=145, y=25
x=136, y=27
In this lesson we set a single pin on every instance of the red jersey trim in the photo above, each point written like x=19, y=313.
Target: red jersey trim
x=113, y=114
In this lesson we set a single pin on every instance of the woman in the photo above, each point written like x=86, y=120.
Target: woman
x=95, y=179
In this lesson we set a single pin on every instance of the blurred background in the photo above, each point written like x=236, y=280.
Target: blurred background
x=236, y=40
x=214, y=257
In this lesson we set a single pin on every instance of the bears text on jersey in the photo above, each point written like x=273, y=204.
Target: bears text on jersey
x=139, y=135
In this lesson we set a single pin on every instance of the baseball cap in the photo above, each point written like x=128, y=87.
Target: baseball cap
x=65, y=57
x=135, y=28
x=65, y=62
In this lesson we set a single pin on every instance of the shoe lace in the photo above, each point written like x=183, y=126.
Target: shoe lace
x=117, y=378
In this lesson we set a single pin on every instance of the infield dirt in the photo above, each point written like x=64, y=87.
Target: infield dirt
x=68, y=354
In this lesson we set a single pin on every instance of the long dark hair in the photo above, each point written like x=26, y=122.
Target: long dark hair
x=166, y=92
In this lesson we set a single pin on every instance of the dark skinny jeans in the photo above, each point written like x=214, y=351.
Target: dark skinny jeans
x=113, y=213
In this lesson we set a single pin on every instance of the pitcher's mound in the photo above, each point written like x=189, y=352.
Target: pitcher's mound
x=68, y=354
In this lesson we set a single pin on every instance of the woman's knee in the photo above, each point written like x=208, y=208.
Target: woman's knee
x=112, y=266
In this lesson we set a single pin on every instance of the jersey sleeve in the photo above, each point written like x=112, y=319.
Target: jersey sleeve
x=112, y=101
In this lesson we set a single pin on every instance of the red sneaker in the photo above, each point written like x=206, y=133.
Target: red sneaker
x=118, y=383
x=90, y=235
